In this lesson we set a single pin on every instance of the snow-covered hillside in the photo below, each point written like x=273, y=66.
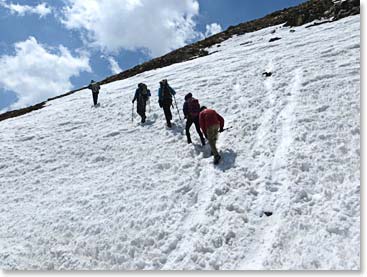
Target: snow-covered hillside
x=85, y=188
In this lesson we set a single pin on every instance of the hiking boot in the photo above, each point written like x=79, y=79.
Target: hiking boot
x=169, y=125
x=143, y=120
x=217, y=159
x=189, y=141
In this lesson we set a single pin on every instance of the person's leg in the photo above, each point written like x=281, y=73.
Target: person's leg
x=212, y=133
x=197, y=126
x=169, y=105
x=167, y=113
x=188, y=125
x=144, y=111
x=95, y=98
x=141, y=111
x=142, y=115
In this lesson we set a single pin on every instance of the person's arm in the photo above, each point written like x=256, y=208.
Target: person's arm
x=202, y=124
x=159, y=94
x=185, y=109
x=172, y=90
x=160, y=97
x=135, y=96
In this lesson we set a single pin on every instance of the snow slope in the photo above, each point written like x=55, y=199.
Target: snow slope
x=85, y=188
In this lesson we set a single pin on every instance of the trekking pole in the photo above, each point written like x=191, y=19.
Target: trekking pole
x=178, y=111
x=226, y=129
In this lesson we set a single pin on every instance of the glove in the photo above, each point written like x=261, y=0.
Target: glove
x=221, y=130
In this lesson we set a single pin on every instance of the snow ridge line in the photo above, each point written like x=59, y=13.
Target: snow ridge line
x=279, y=180
x=279, y=170
x=287, y=118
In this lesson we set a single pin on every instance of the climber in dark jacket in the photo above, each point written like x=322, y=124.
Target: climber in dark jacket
x=142, y=95
x=94, y=86
x=191, y=110
x=165, y=94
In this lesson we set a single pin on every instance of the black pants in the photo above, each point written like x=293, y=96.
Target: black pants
x=189, y=122
x=95, y=98
x=167, y=112
x=140, y=109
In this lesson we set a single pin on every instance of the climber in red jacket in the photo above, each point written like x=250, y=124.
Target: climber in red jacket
x=210, y=123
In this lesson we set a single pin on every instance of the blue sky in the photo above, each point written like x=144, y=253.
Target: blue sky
x=49, y=47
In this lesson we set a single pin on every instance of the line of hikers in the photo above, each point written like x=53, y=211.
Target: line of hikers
x=207, y=121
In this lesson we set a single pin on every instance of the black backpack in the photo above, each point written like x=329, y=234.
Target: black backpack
x=166, y=93
x=143, y=93
x=193, y=107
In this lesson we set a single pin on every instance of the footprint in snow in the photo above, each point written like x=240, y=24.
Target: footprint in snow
x=113, y=134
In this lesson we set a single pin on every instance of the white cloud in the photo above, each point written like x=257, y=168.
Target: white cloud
x=213, y=29
x=36, y=73
x=21, y=10
x=114, y=66
x=154, y=26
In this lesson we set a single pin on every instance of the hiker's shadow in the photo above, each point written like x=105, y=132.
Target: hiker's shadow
x=228, y=160
x=177, y=129
x=204, y=150
x=228, y=156
x=149, y=122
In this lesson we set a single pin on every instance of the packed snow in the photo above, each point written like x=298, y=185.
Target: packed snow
x=87, y=188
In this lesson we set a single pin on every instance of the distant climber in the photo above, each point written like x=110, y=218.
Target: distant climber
x=191, y=110
x=210, y=122
x=165, y=94
x=142, y=95
x=94, y=86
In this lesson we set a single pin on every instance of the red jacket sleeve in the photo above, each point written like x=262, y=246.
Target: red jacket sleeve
x=202, y=123
x=221, y=121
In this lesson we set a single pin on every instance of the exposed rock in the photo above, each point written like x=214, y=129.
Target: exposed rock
x=267, y=74
x=319, y=23
x=345, y=8
x=274, y=39
x=20, y=112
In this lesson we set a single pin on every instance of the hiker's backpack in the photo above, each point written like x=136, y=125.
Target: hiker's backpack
x=144, y=93
x=193, y=107
x=94, y=87
x=166, y=94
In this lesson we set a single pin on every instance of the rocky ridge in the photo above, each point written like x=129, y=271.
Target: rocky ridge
x=328, y=10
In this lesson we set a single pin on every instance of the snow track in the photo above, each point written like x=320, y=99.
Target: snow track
x=86, y=188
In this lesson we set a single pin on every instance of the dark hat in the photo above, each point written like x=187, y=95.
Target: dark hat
x=203, y=108
x=188, y=96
